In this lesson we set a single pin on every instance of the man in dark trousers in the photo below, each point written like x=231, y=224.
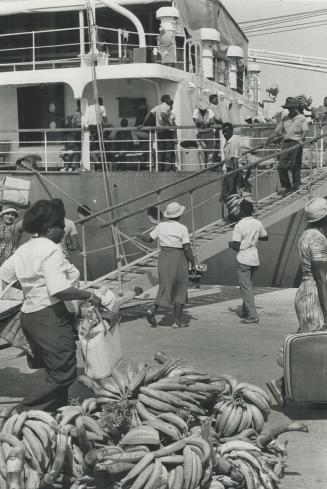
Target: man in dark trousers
x=291, y=130
x=246, y=234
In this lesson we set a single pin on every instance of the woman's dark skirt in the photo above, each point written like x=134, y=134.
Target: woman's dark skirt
x=173, y=277
x=51, y=338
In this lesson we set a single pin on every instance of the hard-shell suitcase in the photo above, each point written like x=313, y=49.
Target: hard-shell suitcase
x=305, y=367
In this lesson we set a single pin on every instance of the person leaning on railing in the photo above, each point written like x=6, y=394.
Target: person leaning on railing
x=291, y=130
x=46, y=279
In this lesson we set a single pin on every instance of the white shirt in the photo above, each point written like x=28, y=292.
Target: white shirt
x=247, y=231
x=206, y=117
x=70, y=230
x=163, y=114
x=42, y=270
x=90, y=118
x=171, y=234
x=233, y=148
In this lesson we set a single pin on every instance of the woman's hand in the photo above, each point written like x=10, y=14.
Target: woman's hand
x=95, y=300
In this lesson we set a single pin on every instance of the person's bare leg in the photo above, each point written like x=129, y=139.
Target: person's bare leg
x=178, y=311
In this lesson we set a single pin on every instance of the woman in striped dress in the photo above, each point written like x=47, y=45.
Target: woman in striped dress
x=311, y=297
x=175, y=254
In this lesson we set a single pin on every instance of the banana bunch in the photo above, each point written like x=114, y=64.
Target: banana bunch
x=181, y=464
x=78, y=422
x=233, y=202
x=37, y=430
x=243, y=406
x=258, y=470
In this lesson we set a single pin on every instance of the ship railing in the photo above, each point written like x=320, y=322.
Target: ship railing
x=36, y=50
x=147, y=149
x=202, y=199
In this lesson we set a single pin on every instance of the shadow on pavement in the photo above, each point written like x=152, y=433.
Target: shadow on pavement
x=303, y=411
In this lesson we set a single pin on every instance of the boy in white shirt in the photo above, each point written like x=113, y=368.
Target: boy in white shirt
x=246, y=234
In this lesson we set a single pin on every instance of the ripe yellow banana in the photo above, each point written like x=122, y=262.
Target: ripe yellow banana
x=257, y=417
x=202, y=444
x=143, y=477
x=142, y=411
x=257, y=399
x=175, y=447
x=155, y=475
x=175, y=420
x=158, y=405
x=39, y=431
x=19, y=423
x=164, y=428
x=146, y=460
x=188, y=466
x=237, y=445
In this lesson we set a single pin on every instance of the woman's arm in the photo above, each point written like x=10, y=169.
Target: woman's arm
x=189, y=254
x=73, y=293
x=146, y=238
x=319, y=269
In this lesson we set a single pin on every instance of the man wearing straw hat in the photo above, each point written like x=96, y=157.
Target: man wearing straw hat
x=10, y=232
x=175, y=254
x=292, y=129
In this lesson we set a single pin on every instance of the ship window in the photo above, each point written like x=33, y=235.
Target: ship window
x=128, y=107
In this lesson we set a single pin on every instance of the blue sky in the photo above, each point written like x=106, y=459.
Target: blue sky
x=309, y=41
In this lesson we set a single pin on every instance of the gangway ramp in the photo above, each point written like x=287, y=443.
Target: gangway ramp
x=213, y=238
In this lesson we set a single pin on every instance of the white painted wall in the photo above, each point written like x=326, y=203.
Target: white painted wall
x=9, y=119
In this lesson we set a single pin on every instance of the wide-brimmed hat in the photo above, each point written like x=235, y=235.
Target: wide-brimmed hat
x=291, y=103
x=316, y=209
x=7, y=209
x=174, y=209
x=202, y=105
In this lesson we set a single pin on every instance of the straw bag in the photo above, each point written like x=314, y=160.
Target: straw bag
x=100, y=342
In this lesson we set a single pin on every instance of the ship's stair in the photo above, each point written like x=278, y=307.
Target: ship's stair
x=213, y=238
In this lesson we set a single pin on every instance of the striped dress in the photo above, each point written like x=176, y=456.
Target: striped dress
x=312, y=247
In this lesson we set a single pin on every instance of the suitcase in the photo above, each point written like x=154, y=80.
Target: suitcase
x=305, y=367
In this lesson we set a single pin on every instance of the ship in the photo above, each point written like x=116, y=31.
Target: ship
x=60, y=57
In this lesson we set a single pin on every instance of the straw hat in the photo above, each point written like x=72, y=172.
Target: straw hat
x=291, y=102
x=7, y=209
x=316, y=209
x=174, y=209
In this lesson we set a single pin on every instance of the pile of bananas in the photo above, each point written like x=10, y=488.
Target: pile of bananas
x=245, y=406
x=184, y=430
x=34, y=432
x=233, y=202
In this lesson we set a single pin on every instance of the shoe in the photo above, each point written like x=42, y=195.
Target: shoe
x=176, y=325
x=276, y=392
x=249, y=320
x=284, y=191
x=151, y=318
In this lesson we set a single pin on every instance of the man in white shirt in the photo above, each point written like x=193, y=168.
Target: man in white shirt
x=204, y=119
x=162, y=117
x=233, y=151
x=246, y=234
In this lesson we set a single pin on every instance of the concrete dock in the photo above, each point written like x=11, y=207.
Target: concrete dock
x=215, y=341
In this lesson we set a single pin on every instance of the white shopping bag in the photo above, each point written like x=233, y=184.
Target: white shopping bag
x=100, y=343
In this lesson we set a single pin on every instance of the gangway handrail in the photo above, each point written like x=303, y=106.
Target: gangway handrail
x=195, y=174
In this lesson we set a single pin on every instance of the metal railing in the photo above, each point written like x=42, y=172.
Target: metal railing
x=63, y=47
x=188, y=197
x=148, y=149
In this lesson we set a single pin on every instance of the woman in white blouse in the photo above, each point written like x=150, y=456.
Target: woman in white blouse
x=46, y=278
x=175, y=253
